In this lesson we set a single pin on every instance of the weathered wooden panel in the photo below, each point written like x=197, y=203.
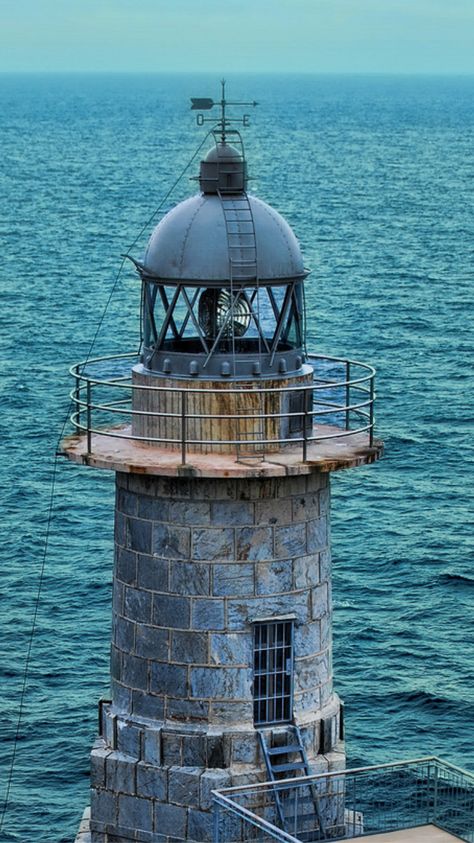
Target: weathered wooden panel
x=210, y=415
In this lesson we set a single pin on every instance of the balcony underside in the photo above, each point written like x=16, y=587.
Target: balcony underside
x=115, y=449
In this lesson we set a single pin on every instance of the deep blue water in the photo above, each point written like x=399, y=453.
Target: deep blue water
x=376, y=176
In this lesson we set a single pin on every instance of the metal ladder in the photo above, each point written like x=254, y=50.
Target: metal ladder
x=296, y=764
x=242, y=246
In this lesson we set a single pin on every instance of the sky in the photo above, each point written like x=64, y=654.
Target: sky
x=291, y=36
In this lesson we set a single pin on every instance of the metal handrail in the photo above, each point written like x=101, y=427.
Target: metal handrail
x=356, y=409
x=388, y=797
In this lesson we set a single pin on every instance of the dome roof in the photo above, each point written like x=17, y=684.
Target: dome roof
x=194, y=240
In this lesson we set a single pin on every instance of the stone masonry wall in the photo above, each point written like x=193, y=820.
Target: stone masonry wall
x=197, y=562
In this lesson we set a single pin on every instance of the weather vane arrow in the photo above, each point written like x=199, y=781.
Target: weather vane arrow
x=206, y=103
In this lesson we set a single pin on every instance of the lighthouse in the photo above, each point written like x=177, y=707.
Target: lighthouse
x=222, y=434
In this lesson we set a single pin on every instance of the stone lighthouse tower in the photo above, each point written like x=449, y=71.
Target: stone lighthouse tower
x=222, y=436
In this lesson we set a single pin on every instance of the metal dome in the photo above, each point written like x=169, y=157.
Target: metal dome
x=191, y=243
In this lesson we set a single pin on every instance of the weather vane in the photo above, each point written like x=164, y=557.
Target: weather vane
x=206, y=103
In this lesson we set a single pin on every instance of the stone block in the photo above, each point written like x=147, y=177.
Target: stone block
x=151, y=781
x=170, y=611
x=231, y=648
x=118, y=593
x=190, y=578
x=134, y=672
x=171, y=542
x=137, y=605
x=139, y=535
x=121, y=773
x=290, y=541
x=194, y=750
x=306, y=571
x=213, y=543
x=233, y=579
x=128, y=738
x=121, y=479
x=170, y=820
x=183, y=785
x=120, y=529
x=273, y=512
x=220, y=683
x=169, y=679
x=307, y=701
x=200, y=826
x=231, y=513
x=242, y=612
x=244, y=749
x=190, y=647
x=320, y=601
x=212, y=780
x=146, y=705
x=228, y=712
x=103, y=806
x=326, y=692
x=274, y=577
x=135, y=813
x=190, y=513
x=317, y=480
x=188, y=711
x=208, y=613
x=308, y=639
x=317, y=535
x=305, y=506
x=254, y=543
x=99, y=754
x=122, y=697
x=124, y=633
x=152, y=746
x=153, y=509
x=126, y=502
x=152, y=572
x=115, y=662
x=151, y=642
x=311, y=672
x=172, y=748
x=218, y=751
x=125, y=565
x=326, y=632
x=325, y=564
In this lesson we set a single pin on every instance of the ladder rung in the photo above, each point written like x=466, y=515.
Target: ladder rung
x=284, y=750
x=287, y=768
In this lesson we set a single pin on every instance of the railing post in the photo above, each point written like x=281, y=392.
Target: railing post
x=77, y=396
x=372, y=395
x=89, y=418
x=348, y=393
x=215, y=809
x=305, y=433
x=183, y=426
x=435, y=795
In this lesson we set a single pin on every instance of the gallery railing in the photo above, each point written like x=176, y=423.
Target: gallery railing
x=351, y=803
x=338, y=402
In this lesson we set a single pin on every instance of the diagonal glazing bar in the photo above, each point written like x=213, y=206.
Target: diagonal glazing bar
x=169, y=314
x=164, y=299
x=149, y=299
x=194, y=320
x=229, y=315
x=186, y=318
x=281, y=321
x=255, y=319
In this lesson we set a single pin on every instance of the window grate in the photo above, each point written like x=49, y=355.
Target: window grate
x=273, y=672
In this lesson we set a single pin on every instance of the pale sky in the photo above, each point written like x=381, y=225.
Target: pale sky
x=219, y=36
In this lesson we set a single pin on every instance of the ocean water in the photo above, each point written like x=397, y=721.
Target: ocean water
x=376, y=176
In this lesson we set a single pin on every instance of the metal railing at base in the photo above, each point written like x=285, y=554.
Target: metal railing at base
x=354, y=803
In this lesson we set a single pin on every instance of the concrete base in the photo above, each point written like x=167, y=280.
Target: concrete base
x=84, y=834
x=421, y=834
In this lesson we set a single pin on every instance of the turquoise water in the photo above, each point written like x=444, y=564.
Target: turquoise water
x=375, y=174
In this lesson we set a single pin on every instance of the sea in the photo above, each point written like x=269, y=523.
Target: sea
x=376, y=175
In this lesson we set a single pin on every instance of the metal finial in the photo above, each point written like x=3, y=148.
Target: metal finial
x=206, y=103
